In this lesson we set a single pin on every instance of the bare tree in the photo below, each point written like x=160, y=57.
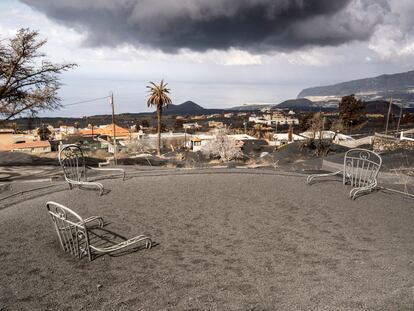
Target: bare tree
x=28, y=81
x=44, y=132
x=316, y=141
x=316, y=125
x=223, y=146
x=290, y=133
x=138, y=146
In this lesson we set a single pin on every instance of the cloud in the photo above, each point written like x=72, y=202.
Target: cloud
x=256, y=26
x=394, y=38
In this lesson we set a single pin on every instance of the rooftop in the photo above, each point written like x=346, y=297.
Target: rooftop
x=26, y=145
x=106, y=130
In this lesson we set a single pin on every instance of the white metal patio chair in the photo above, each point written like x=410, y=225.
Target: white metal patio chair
x=360, y=170
x=74, y=167
x=74, y=233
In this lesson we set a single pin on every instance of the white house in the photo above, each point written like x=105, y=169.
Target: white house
x=191, y=126
x=199, y=141
x=327, y=135
x=67, y=130
x=260, y=120
x=283, y=138
x=63, y=131
x=168, y=140
x=276, y=118
x=241, y=137
x=284, y=120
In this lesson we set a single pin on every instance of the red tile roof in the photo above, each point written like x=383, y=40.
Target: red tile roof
x=32, y=144
x=106, y=130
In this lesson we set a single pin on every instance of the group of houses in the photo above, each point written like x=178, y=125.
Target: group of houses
x=102, y=137
x=31, y=142
x=194, y=135
x=275, y=118
x=27, y=142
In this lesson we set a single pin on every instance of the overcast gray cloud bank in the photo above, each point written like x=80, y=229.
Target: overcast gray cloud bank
x=200, y=25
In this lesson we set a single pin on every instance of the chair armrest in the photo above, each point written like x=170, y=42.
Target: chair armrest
x=313, y=176
x=92, y=218
x=109, y=169
x=87, y=183
x=119, y=246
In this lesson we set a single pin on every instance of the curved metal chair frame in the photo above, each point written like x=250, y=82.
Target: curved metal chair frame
x=72, y=231
x=361, y=168
x=74, y=167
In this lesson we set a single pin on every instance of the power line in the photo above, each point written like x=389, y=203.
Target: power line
x=86, y=101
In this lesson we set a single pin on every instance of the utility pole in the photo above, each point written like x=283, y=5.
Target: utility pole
x=399, y=119
x=388, y=117
x=185, y=138
x=323, y=122
x=113, y=126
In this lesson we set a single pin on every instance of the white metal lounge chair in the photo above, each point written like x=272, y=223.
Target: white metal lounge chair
x=361, y=167
x=74, y=234
x=72, y=161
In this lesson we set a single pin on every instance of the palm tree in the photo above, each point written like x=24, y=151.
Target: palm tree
x=158, y=97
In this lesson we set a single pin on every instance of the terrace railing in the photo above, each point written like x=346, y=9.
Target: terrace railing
x=74, y=167
x=75, y=237
x=360, y=170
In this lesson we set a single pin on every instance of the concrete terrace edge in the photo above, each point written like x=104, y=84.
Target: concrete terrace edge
x=16, y=197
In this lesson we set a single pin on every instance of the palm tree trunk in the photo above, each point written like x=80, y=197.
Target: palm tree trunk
x=159, y=131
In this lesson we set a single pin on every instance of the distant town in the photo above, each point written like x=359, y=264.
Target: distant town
x=191, y=128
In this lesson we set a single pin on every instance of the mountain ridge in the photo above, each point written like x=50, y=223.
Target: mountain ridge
x=399, y=86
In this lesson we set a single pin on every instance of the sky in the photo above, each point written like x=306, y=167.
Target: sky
x=217, y=53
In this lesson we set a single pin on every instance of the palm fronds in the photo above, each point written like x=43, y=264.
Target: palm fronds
x=158, y=95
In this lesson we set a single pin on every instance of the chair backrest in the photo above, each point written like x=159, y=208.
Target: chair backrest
x=72, y=161
x=70, y=228
x=361, y=167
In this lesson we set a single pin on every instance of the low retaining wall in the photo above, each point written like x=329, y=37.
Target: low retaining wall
x=385, y=143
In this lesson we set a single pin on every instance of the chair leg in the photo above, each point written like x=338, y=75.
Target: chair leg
x=310, y=178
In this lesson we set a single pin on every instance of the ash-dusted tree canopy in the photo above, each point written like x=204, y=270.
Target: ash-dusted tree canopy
x=28, y=81
x=351, y=110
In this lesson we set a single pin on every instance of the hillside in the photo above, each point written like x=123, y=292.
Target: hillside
x=381, y=107
x=399, y=86
x=295, y=103
x=189, y=108
x=250, y=107
x=123, y=119
x=186, y=107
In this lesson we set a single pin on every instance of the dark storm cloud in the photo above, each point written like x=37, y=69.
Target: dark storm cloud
x=254, y=25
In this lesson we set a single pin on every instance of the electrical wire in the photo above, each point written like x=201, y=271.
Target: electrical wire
x=86, y=101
